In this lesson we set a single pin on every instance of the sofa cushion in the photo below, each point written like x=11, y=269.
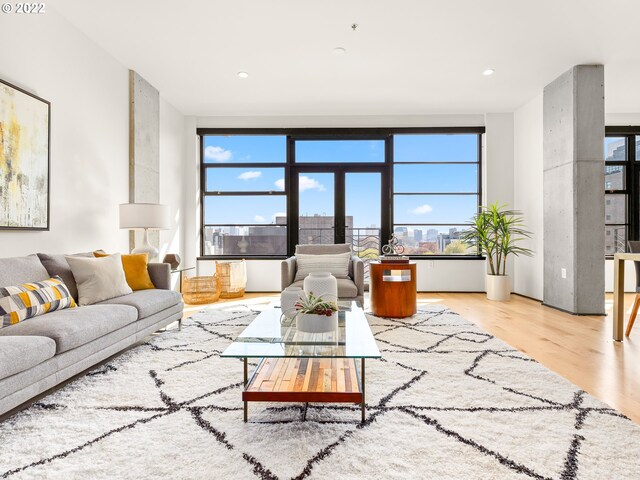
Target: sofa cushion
x=148, y=302
x=57, y=265
x=77, y=326
x=17, y=270
x=346, y=287
x=18, y=354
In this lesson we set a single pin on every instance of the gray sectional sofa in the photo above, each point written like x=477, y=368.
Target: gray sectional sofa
x=41, y=352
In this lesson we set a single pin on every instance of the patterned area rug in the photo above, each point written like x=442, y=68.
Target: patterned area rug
x=446, y=401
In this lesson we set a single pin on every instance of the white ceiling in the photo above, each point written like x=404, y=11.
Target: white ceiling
x=406, y=57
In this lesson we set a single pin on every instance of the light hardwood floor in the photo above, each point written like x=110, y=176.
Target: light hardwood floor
x=579, y=348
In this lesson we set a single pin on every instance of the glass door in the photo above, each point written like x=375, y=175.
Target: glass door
x=338, y=205
x=316, y=208
x=363, y=213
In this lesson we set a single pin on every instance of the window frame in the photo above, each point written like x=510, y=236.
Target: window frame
x=632, y=183
x=477, y=194
x=292, y=168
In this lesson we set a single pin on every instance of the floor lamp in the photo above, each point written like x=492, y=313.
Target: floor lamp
x=147, y=216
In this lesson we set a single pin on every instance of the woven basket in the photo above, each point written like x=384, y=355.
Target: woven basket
x=198, y=290
x=233, y=278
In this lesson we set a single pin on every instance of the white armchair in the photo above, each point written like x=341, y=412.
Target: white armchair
x=351, y=288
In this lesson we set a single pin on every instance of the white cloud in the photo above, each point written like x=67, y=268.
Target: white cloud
x=304, y=183
x=308, y=183
x=259, y=219
x=249, y=175
x=218, y=154
x=422, y=209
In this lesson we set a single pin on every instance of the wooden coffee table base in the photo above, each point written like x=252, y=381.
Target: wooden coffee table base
x=317, y=380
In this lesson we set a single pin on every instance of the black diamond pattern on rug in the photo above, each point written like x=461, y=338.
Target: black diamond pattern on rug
x=447, y=400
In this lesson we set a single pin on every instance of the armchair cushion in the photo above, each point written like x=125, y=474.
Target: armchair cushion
x=323, y=249
x=346, y=287
x=337, y=265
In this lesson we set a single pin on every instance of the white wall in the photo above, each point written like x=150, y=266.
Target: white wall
x=527, y=188
x=498, y=164
x=191, y=194
x=433, y=275
x=89, y=94
x=172, y=172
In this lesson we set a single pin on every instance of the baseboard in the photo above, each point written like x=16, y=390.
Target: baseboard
x=451, y=291
x=574, y=313
x=527, y=296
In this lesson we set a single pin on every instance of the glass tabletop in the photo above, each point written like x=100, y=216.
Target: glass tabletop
x=271, y=335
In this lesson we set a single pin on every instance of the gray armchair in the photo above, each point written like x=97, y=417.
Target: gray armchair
x=351, y=288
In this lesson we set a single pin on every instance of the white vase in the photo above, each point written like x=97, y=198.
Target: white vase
x=313, y=323
x=321, y=284
x=499, y=288
x=288, y=298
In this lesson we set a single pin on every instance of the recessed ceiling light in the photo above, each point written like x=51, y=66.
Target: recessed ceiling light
x=243, y=74
x=488, y=71
x=339, y=51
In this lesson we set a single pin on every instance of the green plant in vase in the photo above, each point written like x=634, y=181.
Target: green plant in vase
x=497, y=231
x=315, y=314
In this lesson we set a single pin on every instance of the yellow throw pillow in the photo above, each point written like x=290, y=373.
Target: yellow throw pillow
x=135, y=270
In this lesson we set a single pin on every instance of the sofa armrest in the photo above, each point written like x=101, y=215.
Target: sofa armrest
x=358, y=274
x=288, y=272
x=160, y=274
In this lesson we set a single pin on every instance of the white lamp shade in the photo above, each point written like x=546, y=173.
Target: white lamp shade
x=144, y=215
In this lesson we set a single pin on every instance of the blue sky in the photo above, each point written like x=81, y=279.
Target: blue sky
x=363, y=189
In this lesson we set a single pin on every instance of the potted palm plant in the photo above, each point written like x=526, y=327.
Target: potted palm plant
x=496, y=231
x=314, y=314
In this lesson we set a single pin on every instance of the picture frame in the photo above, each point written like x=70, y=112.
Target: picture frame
x=25, y=159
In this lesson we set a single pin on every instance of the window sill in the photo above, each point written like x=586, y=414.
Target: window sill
x=283, y=257
x=239, y=257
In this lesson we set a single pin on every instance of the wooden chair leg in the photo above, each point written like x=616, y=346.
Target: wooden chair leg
x=634, y=312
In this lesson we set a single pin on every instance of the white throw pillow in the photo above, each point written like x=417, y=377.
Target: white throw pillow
x=337, y=265
x=98, y=279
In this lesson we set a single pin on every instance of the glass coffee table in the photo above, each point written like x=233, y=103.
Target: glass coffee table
x=296, y=366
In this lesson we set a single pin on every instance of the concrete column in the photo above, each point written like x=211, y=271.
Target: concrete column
x=144, y=149
x=573, y=191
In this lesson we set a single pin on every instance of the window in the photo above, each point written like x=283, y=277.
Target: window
x=436, y=191
x=244, y=202
x=265, y=190
x=620, y=181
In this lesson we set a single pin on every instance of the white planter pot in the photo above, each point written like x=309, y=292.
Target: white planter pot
x=312, y=323
x=288, y=298
x=499, y=288
x=321, y=284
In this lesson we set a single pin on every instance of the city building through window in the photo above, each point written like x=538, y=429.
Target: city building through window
x=621, y=183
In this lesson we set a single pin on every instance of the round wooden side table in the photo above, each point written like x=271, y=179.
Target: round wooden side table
x=393, y=289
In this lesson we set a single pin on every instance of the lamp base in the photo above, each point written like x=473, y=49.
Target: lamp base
x=146, y=247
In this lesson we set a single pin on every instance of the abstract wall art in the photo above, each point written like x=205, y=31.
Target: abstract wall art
x=24, y=159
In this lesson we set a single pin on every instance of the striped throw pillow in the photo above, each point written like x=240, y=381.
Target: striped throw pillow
x=337, y=265
x=28, y=300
